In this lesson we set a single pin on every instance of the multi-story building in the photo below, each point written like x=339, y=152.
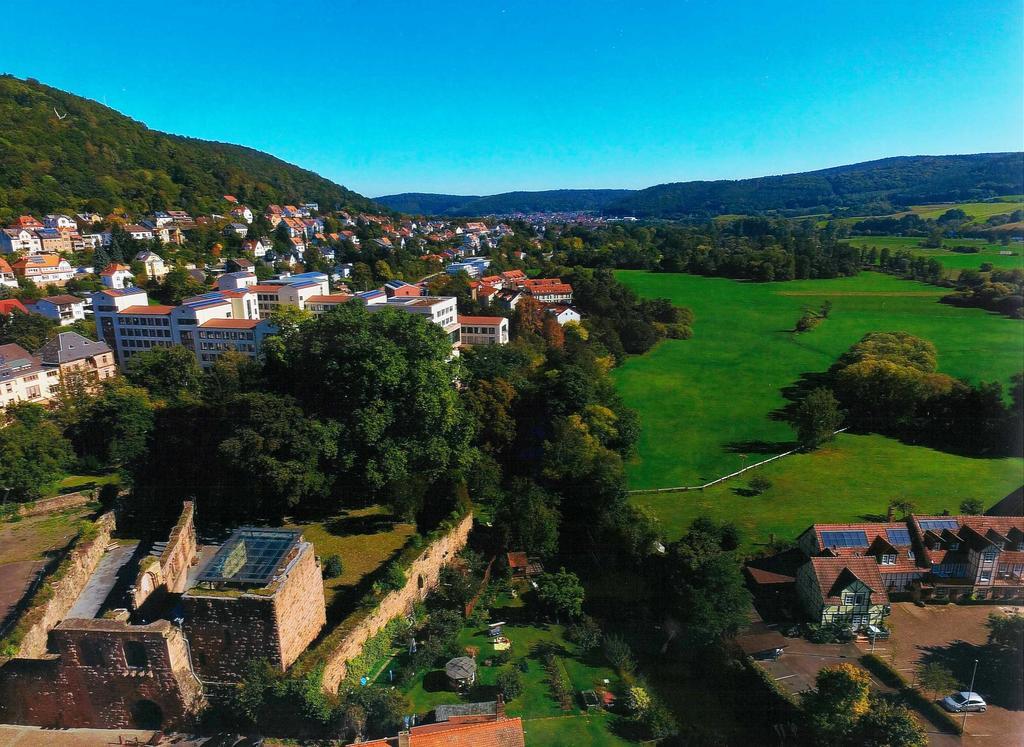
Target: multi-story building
x=215, y=337
x=20, y=240
x=292, y=290
x=322, y=304
x=44, y=269
x=53, y=241
x=23, y=378
x=441, y=310
x=549, y=290
x=75, y=356
x=854, y=569
x=483, y=330
x=64, y=309
x=155, y=267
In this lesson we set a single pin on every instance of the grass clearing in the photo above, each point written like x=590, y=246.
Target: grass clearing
x=365, y=538
x=988, y=251
x=705, y=402
x=978, y=211
x=35, y=537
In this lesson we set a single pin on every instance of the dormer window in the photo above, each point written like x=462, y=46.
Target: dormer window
x=910, y=554
x=954, y=545
x=888, y=560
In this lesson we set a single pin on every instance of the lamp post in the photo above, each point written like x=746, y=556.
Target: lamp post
x=970, y=691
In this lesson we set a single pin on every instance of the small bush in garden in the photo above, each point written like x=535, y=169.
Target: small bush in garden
x=333, y=566
x=585, y=633
x=619, y=654
x=510, y=682
x=760, y=484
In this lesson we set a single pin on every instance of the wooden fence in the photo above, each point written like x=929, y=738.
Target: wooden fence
x=687, y=488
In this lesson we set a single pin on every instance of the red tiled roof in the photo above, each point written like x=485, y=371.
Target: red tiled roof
x=158, y=310
x=265, y=288
x=483, y=320
x=761, y=576
x=10, y=305
x=333, y=298
x=501, y=733
x=517, y=559
x=834, y=574
x=547, y=289
x=112, y=268
x=230, y=323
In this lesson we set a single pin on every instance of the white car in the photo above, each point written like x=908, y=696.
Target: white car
x=964, y=701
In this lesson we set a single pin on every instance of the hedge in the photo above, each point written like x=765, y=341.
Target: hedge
x=914, y=698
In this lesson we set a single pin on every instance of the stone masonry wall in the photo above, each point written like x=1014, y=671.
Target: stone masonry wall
x=107, y=674
x=53, y=505
x=169, y=572
x=299, y=607
x=423, y=577
x=80, y=564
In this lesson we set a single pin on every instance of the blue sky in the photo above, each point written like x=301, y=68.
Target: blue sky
x=482, y=97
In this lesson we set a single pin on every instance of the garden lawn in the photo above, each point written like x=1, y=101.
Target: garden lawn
x=988, y=252
x=37, y=537
x=705, y=403
x=845, y=481
x=365, y=538
x=544, y=722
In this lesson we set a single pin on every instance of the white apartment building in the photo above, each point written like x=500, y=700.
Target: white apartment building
x=21, y=240
x=23, y=378
x=215, y=337
x=44, y=269
x=483, y=330
x=441, y=310
x=65, y=309
x=292, y=290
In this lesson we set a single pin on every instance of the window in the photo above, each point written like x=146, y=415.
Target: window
x=888, y=560
x=853, y=598
x=91, y=652
x=135, y=654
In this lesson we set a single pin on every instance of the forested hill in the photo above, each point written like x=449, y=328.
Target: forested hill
x=94, y=158
x=547, y=201
x=872, y=187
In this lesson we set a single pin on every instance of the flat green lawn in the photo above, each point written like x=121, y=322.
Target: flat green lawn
x=544, y=722
x=979, y=211
x=71, y=483
x=705, y=402
x=36, y=537
x=854, y=477
x=950, y=260
x=364, y=538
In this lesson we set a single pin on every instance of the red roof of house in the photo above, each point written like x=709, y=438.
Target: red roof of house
x=517, y=559
x=157, y=310
x=4, y=267
x=10, y=305
x=500, y=733
x=560, y=288
x=482, y=320
x=266, y=288
x=333, y=298
x=231, y=323
x=115, y=267
x=835, y=574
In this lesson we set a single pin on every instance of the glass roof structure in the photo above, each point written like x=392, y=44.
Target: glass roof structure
x=251, y=556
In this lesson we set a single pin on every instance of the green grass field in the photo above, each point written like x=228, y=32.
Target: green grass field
x=950, y=260
x=979, y=211
x=705, y=402
x=544, y=722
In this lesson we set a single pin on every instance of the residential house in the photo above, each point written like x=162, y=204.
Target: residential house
x=161, y=218
x=474, y=267
x=465, y=726
x=507, y=300
x=23, y=377
x=117, y=276
x=87, y=220
x=549, y=290
x=257, y=247
x=74, y=355
x=401, y=289
x=844, y=591
x=564, y=314
x=60, y=222
x=53, y=241
x=155, y=267
x=44, y=269
x=483, y=330
x=236, y=280
x=239, y=264
x=139, y=233
x=65, y=309
x=9, y=305
x=27, y=221
x=7, y=277
x=242, y=213
x=238, y=229
x=20, y=240
x=513, y=278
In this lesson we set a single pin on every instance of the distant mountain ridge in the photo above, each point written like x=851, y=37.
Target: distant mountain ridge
x=65, y=153
x=544, y=201
x=871, y=187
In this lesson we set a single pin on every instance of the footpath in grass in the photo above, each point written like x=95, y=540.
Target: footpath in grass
x=705, y=403
x=987, y=251
x=544, y=721
x=849, y=480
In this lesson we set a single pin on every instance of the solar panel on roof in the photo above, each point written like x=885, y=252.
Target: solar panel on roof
x=845, y=538
x=934, y=524
x=898, y=536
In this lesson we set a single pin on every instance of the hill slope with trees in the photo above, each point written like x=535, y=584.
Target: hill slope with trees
x=92, y=158
x=869, y=188
x=546, y=201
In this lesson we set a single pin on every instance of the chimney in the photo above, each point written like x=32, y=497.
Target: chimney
x=404, y=739
x=499, y=708
x=892, y=513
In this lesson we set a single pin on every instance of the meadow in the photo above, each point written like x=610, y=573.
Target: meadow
x=988, y=251
x=705, y=403
x=978, y=211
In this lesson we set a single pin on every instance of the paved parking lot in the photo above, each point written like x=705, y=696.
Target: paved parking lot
x=955, y=636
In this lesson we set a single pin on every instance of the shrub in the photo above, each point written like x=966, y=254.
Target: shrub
x=760, y=484
x=585, y=633
x=510, y=682
x=333, y=566
x=619, y=654
x=395, y=577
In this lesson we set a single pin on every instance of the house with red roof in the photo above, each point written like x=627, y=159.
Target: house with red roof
x=117, y=276
x=7, y=274
x=462, y=725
